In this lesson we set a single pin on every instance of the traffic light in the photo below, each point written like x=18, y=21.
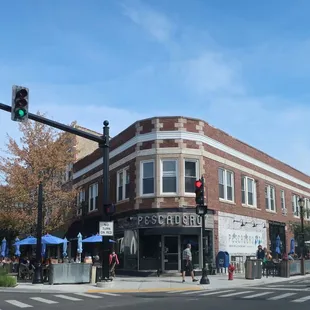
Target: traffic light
x=109, y=209
x=201, y=208
x=199, y=192
x=20, y=102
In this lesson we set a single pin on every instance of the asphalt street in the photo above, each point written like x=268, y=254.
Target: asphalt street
x=284, y=295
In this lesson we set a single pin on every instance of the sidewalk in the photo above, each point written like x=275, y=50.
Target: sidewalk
x=149, y=284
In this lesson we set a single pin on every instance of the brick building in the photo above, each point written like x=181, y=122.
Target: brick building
x=154, y=163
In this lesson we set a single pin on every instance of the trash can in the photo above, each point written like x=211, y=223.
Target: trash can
x=259, y=269
x=250, y=269
x=285, y=269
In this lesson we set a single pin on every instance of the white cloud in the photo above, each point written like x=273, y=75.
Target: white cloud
x=153, y=22
x=211, y=73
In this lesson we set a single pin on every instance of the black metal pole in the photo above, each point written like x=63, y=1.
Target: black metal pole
x=302, y=247
x=204, y=277
x=106, y=198
x=37, y=277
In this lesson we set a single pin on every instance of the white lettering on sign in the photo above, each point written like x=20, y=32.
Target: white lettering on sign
x=106, y=228
x=170, y=219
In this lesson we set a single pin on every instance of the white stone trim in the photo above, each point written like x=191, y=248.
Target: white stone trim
x=185, y=135
x=195, y=152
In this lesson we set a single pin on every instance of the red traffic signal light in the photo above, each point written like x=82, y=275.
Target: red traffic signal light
x=198, y=184
x=109, y=209
x=199, y=192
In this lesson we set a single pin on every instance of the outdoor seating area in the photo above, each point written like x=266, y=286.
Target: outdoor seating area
x=55, y=270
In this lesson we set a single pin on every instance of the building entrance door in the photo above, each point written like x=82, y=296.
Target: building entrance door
x=171, y=253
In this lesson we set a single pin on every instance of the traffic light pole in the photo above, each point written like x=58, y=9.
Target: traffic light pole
x=103, y=142
x=204, y=277
x=37, y=277
x=105, y=146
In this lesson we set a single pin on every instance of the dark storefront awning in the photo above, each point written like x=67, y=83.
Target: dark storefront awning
x=171, y=231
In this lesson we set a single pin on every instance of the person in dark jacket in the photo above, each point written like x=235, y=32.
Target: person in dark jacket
x=260, y=254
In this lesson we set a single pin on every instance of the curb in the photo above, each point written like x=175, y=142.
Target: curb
x=146, y=290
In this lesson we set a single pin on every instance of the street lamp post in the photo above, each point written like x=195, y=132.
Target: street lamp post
x=301, y=203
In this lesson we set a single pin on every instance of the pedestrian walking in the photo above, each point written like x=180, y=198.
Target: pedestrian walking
x=113, y=261
x=187, y=265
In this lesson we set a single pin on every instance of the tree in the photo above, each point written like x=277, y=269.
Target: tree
x=42, y=155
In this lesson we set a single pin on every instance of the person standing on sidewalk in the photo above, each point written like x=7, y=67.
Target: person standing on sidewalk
x=187, y=265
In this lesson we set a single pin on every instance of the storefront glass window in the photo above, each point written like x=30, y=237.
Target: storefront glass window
x=130, y=249
x=149, y=246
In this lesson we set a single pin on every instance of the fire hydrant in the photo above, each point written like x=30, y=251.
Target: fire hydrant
x=231, y=270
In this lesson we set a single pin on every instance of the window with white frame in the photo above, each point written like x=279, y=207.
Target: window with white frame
x=307, y=209
x=190, y=175
x=79, y=200
x=248, y=191
x=147, y=170
x=93, y=197
x=226, y=184
x=295, y=206
x=169, y=176
x=123, y=184
x=270, y=194
x=283, y=207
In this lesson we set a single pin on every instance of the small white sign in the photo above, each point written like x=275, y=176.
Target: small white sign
x=106, y=228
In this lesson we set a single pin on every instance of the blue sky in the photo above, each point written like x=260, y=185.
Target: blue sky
x=243, y=66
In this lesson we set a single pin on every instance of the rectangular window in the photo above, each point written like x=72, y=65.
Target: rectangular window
x=226, y=184
x=307, y=210
x=295, y=206
x=93, y=197
x=169, y=176
x=248, y=191
x=270, y=198
x=79, y=200
x=283, y=208
x=123, y=181
x=147, y=177
x=191, y=175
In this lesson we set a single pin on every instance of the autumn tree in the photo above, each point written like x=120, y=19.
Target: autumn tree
x=42, y=155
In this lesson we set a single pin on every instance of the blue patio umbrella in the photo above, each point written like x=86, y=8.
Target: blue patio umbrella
x=278, y=244
x=43, y=249
x=292, y=246
x=17, y=246
x=64, y=248
x=79, y=243
x=3, y=247
x=49, y=239
x=27, y=241
x=95, y=238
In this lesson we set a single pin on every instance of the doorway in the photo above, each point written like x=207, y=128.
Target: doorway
x=171, y=253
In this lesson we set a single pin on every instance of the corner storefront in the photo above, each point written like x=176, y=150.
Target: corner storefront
x=155, y=239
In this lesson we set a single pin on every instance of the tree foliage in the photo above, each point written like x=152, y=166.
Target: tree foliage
x=42, y=155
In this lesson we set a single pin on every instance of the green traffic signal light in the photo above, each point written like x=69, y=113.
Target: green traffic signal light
x=21, y=113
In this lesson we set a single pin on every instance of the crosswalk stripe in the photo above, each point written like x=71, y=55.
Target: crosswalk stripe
x=217, y=292
x=281, y=296
x=302, y=299
x=236, y=294
x=18, y=304
x=87, y=295
x=257, y=295
x=46, y=301
x=192, y=292
x=109, y=294
x=67, y=297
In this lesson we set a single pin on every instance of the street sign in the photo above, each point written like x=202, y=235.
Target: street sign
x=106, y=228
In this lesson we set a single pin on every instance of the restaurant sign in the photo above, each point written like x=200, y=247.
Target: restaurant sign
x=173, y=220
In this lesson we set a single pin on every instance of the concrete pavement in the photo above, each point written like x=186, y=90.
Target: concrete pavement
x=152, y=284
